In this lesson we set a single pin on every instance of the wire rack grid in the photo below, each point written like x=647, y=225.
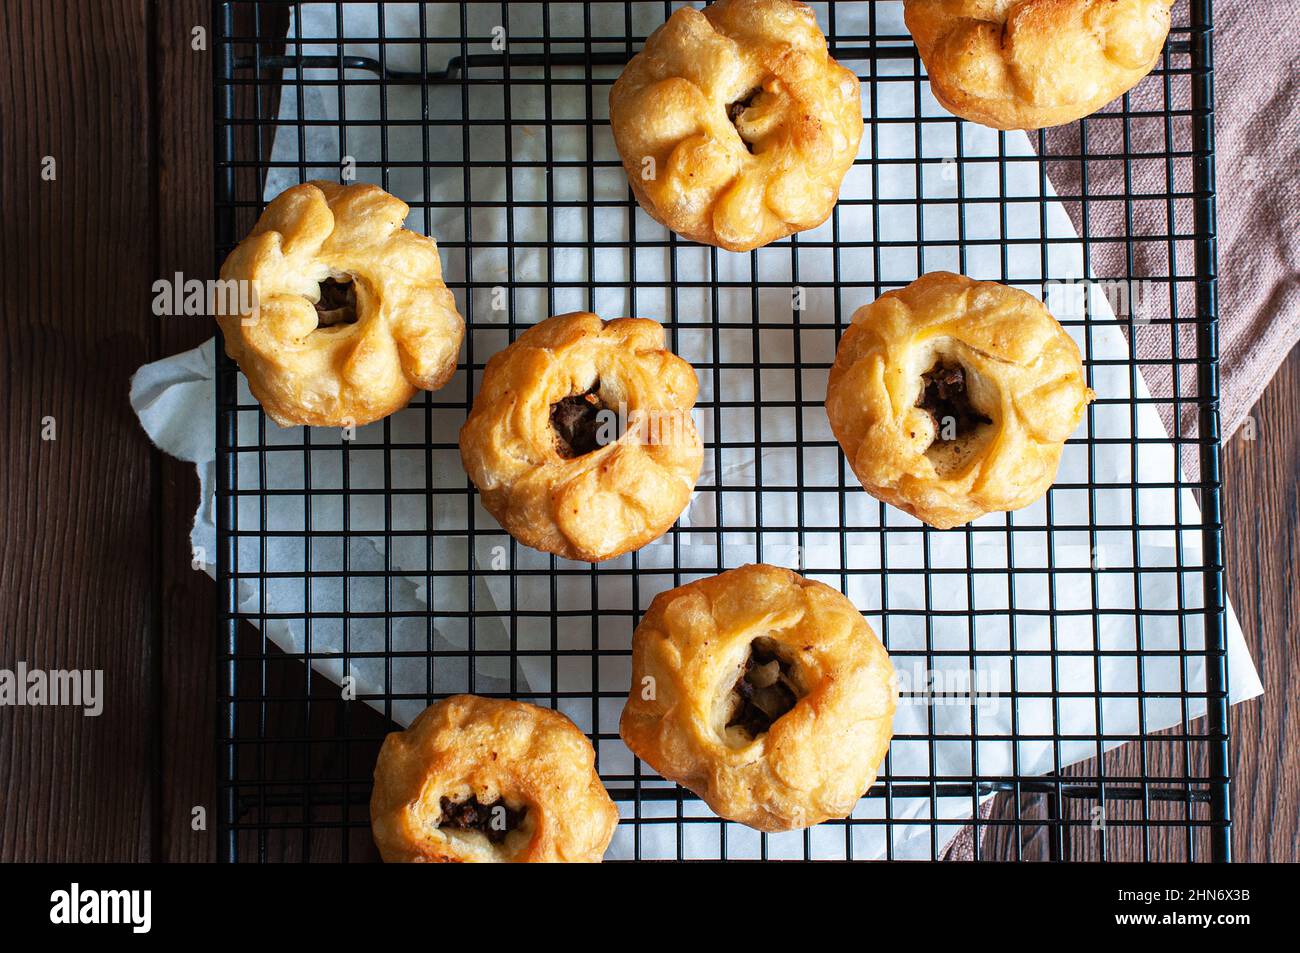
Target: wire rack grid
x=367, y=556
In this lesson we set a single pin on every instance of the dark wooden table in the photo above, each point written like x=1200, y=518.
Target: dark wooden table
x=94, y=558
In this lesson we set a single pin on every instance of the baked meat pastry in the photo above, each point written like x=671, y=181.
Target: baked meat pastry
x=483, y=780
x=352, y=316
x=765, y=693
x=952, y=398
x=580, y=440
x=735, y=126
x=1026, y=64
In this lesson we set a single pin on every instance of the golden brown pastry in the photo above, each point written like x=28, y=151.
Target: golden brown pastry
x=735, y=126
x=352, y=315
x=483, y=780
x=952, y=398
x=765, y=693
x=1026, y=64
x=580, y=440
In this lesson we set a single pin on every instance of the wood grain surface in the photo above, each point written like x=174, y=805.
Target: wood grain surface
x=94, y=557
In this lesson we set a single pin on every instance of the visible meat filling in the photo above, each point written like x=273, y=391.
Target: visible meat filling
x=494, y=819
x=945, y=398
x=739, y=106
x=337, y=303
x=577, y=423
x=765, y=691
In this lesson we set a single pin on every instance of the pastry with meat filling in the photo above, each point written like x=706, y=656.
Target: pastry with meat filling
x=482, y=780
x=735, y=125
x=953, y=398
x=765, y=693
x=346, y=315
x=580, y=440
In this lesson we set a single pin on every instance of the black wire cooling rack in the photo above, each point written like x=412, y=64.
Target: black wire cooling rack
x=366, y=555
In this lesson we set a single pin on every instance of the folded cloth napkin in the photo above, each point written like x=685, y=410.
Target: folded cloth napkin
x=1257, y=160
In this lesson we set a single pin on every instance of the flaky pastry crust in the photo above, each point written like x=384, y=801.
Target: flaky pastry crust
x=347, y=366
x=685, y=717
x=583, y=503
x=735, y=125
x=1027, y=64
x=479, y=780
x=953, y=398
